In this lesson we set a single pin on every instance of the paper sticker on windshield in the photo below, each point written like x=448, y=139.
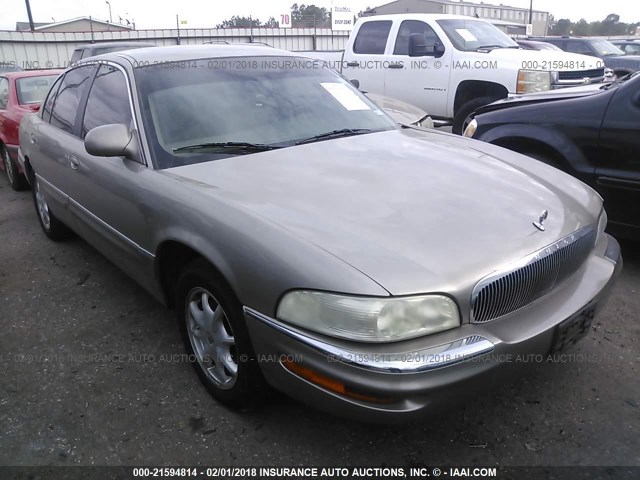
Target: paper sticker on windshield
x=347, y=98
x=466, y=35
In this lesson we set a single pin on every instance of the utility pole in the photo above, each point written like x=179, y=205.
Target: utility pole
x=531, y=12
x=178, y=25
x=110, y=19
x=31, y=26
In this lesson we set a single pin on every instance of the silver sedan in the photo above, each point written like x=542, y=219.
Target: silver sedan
x=305, y=240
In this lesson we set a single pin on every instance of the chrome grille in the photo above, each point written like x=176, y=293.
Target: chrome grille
x=580, y=74
x=509, y=290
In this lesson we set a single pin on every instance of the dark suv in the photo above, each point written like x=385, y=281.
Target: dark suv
x=613, y=57
x=629, y=47
x=93, y=49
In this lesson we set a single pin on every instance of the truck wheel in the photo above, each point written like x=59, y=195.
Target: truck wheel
x=216, y=338
x=52, y=227
x=462, y=117
x=16, y=179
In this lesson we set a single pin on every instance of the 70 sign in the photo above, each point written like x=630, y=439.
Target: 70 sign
x=285, y=20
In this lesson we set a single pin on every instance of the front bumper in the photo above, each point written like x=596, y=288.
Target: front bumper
x=399, y=381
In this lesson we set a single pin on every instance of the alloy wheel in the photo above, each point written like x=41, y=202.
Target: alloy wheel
x=211, y=338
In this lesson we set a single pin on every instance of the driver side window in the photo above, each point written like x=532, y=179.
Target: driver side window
x=108, y=100
x=409, y=27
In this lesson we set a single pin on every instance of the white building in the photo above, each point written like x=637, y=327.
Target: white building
x=512, y=20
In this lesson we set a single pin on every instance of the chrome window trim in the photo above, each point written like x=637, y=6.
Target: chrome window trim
x=427, y=359
x=525, y=261
x=123, y=70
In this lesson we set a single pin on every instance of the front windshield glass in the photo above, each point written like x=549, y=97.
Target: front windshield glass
x=34, y=89
x=264, y=101
x=470, y=35
x=605, y=48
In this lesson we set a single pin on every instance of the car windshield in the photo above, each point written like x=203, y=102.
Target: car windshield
x=34, y=89
x=216, y=108
x=605, y=48
x=471, y=35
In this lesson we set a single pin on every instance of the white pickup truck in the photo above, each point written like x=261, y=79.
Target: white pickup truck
x=449, y=65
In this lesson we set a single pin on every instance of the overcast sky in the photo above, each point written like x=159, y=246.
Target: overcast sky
x=207, y=13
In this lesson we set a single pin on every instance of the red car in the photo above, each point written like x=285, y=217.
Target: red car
x=20, y=93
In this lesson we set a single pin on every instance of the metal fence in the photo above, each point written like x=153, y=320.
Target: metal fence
x=31, y=50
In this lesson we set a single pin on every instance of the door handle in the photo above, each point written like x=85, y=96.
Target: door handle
x=73, y=161
x=352, y=64
x=395, y=65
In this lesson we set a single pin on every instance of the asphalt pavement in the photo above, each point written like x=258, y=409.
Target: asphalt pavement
x=92, y=374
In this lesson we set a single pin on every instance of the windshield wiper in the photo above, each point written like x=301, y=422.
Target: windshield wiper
x=489, y=47
x=232, y=146
x=343, y=132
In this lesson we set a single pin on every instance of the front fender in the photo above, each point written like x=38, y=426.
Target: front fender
x=553, y=139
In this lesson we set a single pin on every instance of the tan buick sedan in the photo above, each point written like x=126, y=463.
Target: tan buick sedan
x=305, y=240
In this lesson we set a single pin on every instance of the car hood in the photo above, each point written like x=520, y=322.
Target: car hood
x=400, y=111
x=550, y=95
x=628, y=61
x=414, y=210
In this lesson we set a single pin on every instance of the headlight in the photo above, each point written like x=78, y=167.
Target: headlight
x=602, y=225
x=531, y=81
x=471, y=129
x=369, y=319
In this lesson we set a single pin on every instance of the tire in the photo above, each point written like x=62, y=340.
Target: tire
x=16, y=179
x=461, y=118
x=216, y=338
x=51, y=226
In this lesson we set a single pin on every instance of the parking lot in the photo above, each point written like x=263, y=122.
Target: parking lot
x=92, y=374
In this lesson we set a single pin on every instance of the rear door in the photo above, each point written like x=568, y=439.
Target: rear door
x=618, y=171
x=363, y=61
x=54, y=140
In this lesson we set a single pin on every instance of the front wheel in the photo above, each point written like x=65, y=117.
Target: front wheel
x=16, y=179
x=216, y=337
x=463, y=115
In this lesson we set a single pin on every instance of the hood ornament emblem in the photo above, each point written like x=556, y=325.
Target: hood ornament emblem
x=540, y=223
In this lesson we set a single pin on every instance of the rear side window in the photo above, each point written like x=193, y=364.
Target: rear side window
x=372, y=38
x=77, y=55
x=108, y=100
x=48, y=104
x=73, y=86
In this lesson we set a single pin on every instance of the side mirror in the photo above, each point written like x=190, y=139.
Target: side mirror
x=113, y=140
x=417, y=45
x=355, y=82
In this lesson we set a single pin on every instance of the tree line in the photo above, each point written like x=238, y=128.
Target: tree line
x=610, y=26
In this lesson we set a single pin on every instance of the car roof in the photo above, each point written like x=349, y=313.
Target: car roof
x=30, y=73
x=114, y=44
x=178, y=53
x=424, y=16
